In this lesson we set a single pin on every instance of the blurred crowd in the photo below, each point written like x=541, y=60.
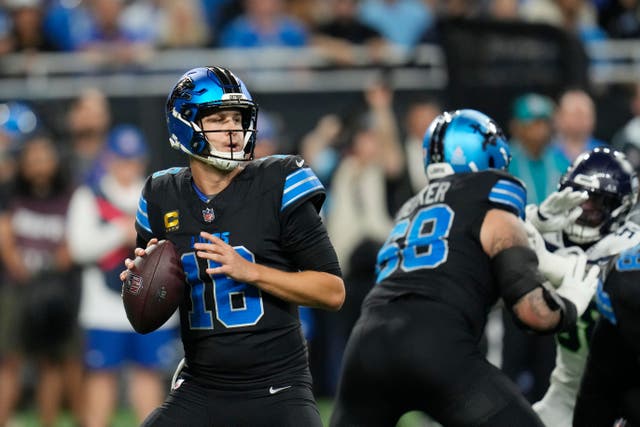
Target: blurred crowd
x=123, y=31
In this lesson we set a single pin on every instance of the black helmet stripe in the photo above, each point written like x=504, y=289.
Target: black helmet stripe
x=436, y=148
x=230, y=83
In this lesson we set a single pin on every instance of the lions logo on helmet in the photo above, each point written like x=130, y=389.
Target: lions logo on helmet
x=464, y=141
x=200, y=92
x=612, y=186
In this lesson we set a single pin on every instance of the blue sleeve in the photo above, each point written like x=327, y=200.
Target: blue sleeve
x=509, y=195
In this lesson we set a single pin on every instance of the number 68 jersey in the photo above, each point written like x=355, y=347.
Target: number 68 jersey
x=434, y=249
x=235, y=335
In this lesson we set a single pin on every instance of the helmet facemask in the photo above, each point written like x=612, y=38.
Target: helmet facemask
x=602, y=213
x=226, y=160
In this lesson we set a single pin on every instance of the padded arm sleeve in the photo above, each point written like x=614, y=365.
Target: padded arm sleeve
x=516, y=272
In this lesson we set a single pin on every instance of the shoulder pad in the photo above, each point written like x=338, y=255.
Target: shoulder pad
x=157, y=184
x=170, y=171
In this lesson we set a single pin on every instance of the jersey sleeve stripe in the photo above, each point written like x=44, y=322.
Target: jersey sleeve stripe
x=305, y=188
x=508, y=200
x=142, y=218
x=517, y=190
x=297, y=176
x=509, y=194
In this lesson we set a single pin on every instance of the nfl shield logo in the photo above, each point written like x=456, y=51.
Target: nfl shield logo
x=133, y=284
x=208, y=215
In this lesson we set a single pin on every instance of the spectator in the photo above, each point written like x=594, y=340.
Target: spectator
x=67, y=24
x=28, y=33
x=101, y=236
x=627, y=139
x=339, y=37
x=386, y=15
x=620, y=18
x=535, y=160
x=109, y=43
x=268, y=138
x=88, y=121
x=575, y=16
x=319, y=147
x=184, y=25
x=166, y=24
x=419, y=115
x=504, y=10
x=40, y=273
x=575, y=120
x=264, y=23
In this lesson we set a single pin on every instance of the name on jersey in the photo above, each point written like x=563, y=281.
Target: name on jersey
x=224, y=236
x=435, y=192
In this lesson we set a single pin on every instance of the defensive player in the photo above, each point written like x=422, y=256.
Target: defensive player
x=456, y=247
x=596, y=222
x=610, y=387
x=253, y=248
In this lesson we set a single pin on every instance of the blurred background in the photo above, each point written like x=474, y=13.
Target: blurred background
x=350, y=84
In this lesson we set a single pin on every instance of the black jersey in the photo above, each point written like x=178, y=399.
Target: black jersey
x=618, y=299
x=235, y=335
x=434, y=249
x=610, y=386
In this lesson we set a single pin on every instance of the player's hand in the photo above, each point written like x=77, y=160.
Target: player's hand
x=553, y=265
x=557, y=210
x=231, y=263
x=128, y=263
x=579, y=285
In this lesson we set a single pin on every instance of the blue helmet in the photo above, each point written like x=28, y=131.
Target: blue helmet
x=17, y=120
x=202, y=91
x=611, y=182
x=464, y=141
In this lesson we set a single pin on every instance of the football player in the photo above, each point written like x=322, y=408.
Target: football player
x=456, y=247
x=253, y=248
x=589, y=211
x=610, y=388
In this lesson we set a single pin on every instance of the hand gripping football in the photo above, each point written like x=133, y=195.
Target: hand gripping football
x=154, y=287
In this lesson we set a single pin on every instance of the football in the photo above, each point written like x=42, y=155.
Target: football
x=154, y=287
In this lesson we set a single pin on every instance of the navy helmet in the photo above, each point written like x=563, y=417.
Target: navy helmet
x=612, y=185
x=464, y=141
x=203, y=91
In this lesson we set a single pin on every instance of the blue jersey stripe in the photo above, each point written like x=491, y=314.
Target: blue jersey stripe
x=509, y=194
x=297, y=176
x=603, y=301
x=298, y=185
x=142, y=218
x=517, y=190
x=507, y=200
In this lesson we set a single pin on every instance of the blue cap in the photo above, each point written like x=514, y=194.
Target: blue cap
x=127, y=142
